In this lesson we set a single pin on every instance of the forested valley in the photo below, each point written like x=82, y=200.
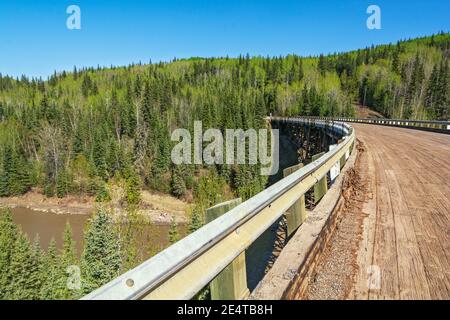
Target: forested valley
x=86, y=131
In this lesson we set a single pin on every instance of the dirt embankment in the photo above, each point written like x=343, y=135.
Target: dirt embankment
x=367, y=113
x=37, y=201
x=337, y=267
x=158, y=208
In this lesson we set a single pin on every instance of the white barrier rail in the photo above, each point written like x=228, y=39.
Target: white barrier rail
x=183, y=269
x=431, y=125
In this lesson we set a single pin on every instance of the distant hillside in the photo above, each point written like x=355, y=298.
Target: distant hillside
x=80, y=131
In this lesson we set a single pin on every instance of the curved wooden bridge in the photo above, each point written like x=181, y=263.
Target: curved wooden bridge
x=386, y=237
x=392, y=237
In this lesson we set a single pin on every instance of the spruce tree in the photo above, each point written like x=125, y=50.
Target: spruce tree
x=75, y=73
x=195, y=222
x=14, y=179
x=305, y=101
x=68, y=252
x=300, y=72
x=178, y=186
x=51, y=273
x=8, y=236
x=62, y=184
x=25, y=175
x=4, y=192
x=6, y=172
x=86, y=85
x=174, y=236
x=77, y=144
x=431, y=91
x=99, y=155
x=395, y=61
x=147, y=105
x=101, y=259
x=22, y=268
x=68, y=259
x=322, y=67
x=36, y=274
x=133, y=188
x=442, y=92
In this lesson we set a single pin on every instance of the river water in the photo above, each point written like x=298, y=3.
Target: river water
x=51, y=225
x=258, y=256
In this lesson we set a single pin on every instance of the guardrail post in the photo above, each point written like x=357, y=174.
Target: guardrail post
x=344, y=158
x=231, y=283
x=321, y=187
x=296, y=214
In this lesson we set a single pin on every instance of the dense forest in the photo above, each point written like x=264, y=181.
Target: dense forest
x=82, y=131
x=78, y=130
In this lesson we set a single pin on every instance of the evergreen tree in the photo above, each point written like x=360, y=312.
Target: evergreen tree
x=177, y=184
x=68, y=258
x=133, y=188
x=14, y=178
x=23, y=175
x=36, y=274
x=442, y=106
x=131, y=229
x=49, y=189
x=395, y=61
x=431, y=92
x=305, y=100
x=68, y=253
x=162, y=157
x=21, y=270
x=415, y=83
x=147, y=105
x=51, y=272
x=99, y=155
x=8, y=236
x=77, y=144
x=5, y=173
x=75, y=73
x=174, y=236
x=86, y=85
x=101, y=259
x=322, y=65
x=195, y=222
x=62, y=184
x=300, y=72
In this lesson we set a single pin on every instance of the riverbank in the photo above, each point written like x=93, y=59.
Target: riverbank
x=157, y=208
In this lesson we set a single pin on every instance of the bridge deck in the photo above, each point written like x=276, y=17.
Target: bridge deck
x=405, y=232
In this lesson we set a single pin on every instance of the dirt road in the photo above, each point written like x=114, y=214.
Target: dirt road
x=403, y=247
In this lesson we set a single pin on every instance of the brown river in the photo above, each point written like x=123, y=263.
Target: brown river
x=258, y=257
x=51, y=225
x=154, y=237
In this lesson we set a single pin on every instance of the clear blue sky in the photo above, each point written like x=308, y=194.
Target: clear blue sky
x=34, y=39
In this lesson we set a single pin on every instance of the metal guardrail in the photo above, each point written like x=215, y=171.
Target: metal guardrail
x=431, y=125
x=183, y=269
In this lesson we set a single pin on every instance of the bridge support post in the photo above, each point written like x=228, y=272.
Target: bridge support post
x=231, y=283
x=321, y=187
x=296, y=214
x=344, y=157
